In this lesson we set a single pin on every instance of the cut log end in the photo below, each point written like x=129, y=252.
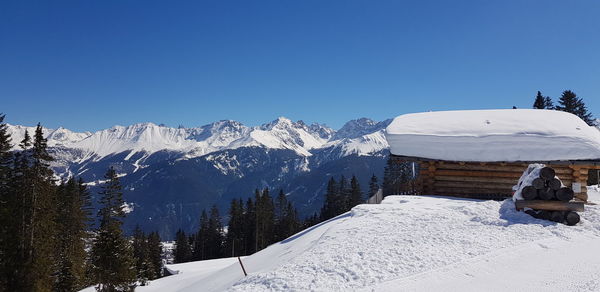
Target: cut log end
x=572, y=218
x=546, y=194
x=547, y=173
x=529, y=193
x=565, y=194
x=554, y=184
x=538, y=183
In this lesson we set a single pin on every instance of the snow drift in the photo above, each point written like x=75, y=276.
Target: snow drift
x=412, y=243
x=494, y=135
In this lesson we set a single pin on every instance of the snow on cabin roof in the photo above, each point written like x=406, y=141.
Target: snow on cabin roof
x=494, y=135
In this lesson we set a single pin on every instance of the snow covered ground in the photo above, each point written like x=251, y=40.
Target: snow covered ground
x=416, y=243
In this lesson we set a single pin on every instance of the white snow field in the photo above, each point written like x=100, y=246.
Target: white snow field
x=494, y=135
x=416, y=243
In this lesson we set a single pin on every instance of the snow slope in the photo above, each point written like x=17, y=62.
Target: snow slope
x=494, y=135
x=410, y=243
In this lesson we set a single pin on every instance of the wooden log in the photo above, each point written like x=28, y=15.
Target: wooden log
x=529, y=193
x=474, y=195
x=488, y=167
x=538, y=183
x=546, y=194
x=544, y=214
x=572, y=218
x=491, y=180
x=565, y=194
x=483, y=185
x=547, y=173
x=448, y=190
x=554, y=184
x=549, y=205
x=557, y=216
x=582, y=196
x=514, y=175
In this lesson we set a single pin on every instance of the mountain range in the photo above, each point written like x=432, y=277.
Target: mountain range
x=170, y=174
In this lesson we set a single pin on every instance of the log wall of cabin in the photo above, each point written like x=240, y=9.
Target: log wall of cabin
x=488, y=180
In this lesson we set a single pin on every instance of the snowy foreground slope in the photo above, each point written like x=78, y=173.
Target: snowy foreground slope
x=410, y=243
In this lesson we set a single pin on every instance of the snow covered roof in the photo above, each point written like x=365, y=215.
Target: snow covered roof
x=494, y=135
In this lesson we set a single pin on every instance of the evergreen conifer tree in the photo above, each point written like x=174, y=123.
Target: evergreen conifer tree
x=214, y=237
x=155, y=255
x=264, y=219
x=37, y=193
x=281, y=205
x=343, y=196
x=569, y=102
x=183, y=250
x=356, y=196
x=330, y=206
x=73, y=217
x=542, y=102
x=6, y=216
x=250, y=227
x=539, y=101
x=15, y=246
x=141, y=256
x=373, y=186
x=199, y=252
x=234, y=239
x=113, y=266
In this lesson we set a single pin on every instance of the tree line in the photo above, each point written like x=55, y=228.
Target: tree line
x=568, y=102
x=47, y=238
x=256, y=223
x=252, y=226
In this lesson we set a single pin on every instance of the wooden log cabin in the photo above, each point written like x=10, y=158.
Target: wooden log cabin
x=482, y=154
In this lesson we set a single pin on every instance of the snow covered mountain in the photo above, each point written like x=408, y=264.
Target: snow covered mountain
x=171, y=174
x=150, y=138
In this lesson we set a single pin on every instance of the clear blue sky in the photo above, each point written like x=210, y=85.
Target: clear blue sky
x=88, y=65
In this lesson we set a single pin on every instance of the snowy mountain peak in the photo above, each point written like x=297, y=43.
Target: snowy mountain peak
x=281, y=122
x=360, y=127
x=281, y=133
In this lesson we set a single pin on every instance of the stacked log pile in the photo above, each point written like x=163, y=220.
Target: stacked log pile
x=546, y=198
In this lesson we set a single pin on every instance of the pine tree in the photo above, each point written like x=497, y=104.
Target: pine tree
x=37, y=194
x=214, y=236
x=330, y=206
x=291, y=224
x=569, y=102
x=265, y=220
x=141, y=256
x=373, y=186
x=539, y=101
x=6, y=209
x=250, y=227
x=155, y=255
x=73, y=218
x=199, y=252
x=183, y=249
x=356, y=196
x=14, y=247
x=548, y=104
x=113, y=266
x=235, y=230
x=281, y=205
x=343, y=196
